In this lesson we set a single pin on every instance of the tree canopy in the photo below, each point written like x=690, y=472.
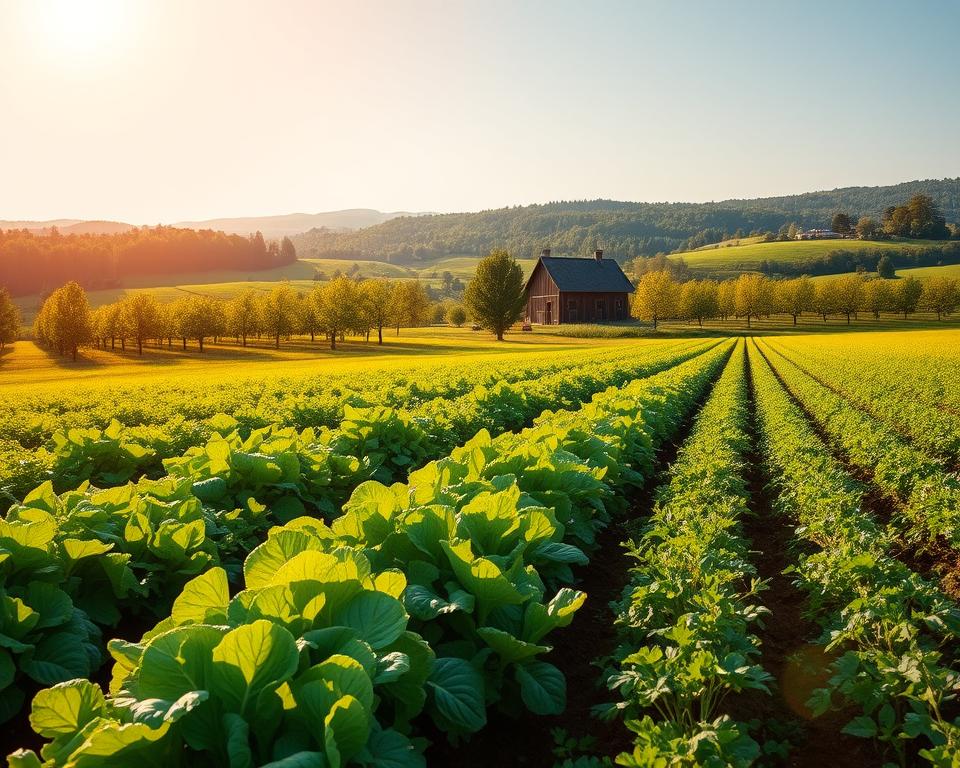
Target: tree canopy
x=494, y=296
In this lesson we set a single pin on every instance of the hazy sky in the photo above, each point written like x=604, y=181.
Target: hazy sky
x=153, y=111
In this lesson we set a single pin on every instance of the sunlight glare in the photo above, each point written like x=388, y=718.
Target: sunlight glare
x=82, y=29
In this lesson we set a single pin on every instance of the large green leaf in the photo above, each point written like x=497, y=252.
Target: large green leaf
x=542, y=687
x=251, y=659
x=177, y=661
x=348, y=677
x=350, y=726
x=56, y=658
x=203, y=600
x=378, y=617
x=66, y=708
x=458, y=694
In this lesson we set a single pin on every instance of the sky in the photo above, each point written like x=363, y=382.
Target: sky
x=155, y=111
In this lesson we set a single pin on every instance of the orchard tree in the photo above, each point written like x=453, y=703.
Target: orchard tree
x=376, y=300
x=794, y=297
x=753, y=296
x=409, y=304
x=338, y=304
x=64, y=323
x=825, y=299
x=278, y=312
x=849, y=294
x=139, y=315
x=9, y=319
x=201, y=318
x=494, y=296
x=656, y=297
x=877, y=296
x=727, y=299
x=940, y=294
x=243, y=315
x=906, y=297
x=698, y=300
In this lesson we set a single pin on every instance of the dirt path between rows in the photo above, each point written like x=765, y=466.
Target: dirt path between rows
x=798, y=665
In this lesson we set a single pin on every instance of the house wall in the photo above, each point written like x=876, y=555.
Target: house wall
x=585, y=307
x=543, y=298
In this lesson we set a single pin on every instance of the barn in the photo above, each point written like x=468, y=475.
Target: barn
x=566, y=290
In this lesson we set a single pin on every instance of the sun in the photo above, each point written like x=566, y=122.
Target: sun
x=82, y=29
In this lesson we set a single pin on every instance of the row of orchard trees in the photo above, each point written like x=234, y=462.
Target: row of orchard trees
x=332, y=310
x=751, y=296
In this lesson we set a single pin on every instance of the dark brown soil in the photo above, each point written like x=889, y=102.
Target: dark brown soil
x=798, y=665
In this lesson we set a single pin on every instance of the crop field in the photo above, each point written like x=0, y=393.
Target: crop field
x=643, y=552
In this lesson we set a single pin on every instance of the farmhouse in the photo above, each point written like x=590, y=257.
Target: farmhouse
x=564, y=290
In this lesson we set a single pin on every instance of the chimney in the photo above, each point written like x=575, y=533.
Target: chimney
x=598, y=254
x=545, y=253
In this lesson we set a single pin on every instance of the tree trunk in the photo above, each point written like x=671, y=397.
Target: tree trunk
x=379, y=334
x=748, y=319
x=74, y=352
x=201, y=343
x=700, y=321
x=123, y=344
x=278, y=340
x=794, y=319
x=848, y=318
x=139, y=346
x=333, y=340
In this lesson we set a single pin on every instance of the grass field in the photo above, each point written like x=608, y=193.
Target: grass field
x=738, y=258
x=25, y=365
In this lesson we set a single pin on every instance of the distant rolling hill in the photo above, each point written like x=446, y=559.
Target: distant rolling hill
x=295, y=223
x=272, y=227
x=70, y=226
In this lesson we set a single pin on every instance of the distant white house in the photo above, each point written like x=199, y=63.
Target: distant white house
x=819, y=234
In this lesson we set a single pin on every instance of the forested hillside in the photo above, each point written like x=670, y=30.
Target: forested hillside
x=31, y=263
x=626, y=230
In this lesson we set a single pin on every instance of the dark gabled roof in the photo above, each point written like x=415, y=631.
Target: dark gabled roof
x=588, y=275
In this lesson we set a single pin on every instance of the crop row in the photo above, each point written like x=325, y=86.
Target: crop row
x=118, y=452
x=684, y=622
x=426, y=598
x=102, y=555
x=883, y=388
x=892, y=631
x=927, y=492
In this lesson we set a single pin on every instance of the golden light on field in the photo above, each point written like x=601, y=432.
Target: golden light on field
x=81, y=30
